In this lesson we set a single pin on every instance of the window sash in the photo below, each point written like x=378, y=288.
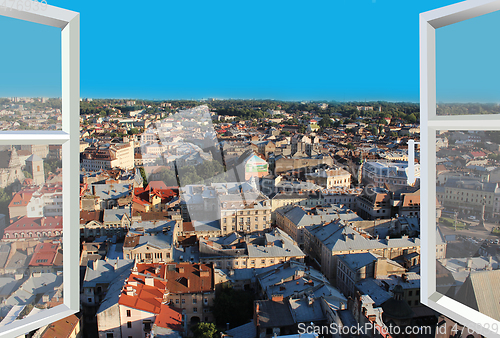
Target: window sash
x=429, y=124
x=68, y=137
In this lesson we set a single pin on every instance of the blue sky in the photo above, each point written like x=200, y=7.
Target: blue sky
x=322, y=50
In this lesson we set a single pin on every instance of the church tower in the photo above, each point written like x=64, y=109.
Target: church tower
x=34, y=165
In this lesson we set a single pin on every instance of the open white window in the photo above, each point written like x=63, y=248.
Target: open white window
x=41, y=229
x=458, y=164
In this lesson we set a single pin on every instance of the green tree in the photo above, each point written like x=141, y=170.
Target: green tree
x=411, y=118
x=326, y=122
x=350, y=146
x=51, y=166
x=133, y=131
x=205, y=330
x=144, y=177
x=168, y=177
x=27, y=174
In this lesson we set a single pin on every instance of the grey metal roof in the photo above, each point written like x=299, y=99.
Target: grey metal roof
x=343, y=238
x=104, y=271
x=41, y=284
x=4, y=253
x=115, y=215
x=111, y=191
x=474, y=184
x=481, y=291
x=274, y=314
x=358, y=260
x=302, y=312
x=283, y=246
x=301, y=216
x=247, y=330
x=206, y=225
x=17, y=261
x=160, y=241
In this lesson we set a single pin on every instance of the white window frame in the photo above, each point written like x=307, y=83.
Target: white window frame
x=68, y=137
x=429, y=124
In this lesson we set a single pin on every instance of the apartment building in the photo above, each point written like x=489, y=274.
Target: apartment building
x=244, y=213
x=330, y=177
x=468, y=195
x=107, y=222
x=251, y=251
x=151, y=241
x=108, y=156
x=294, y=221
x=34, y=227
x=375, y=203
x=381, y=173
x=189, y=288
x=288, y=200
x=236, y=207
x=353, y=268
x=326, y=242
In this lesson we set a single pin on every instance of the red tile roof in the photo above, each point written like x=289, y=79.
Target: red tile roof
x=146, y=298
x=45, y=254
x=156, y=185
x=478, y=153
x=87, y=216
x=22, y=198
x=169, y=318
x=176, y=278
x=62, y=328
x=32, y=225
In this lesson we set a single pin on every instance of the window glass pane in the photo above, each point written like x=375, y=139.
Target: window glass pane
x=30, y=86
x=31, y=255
x=467, y=67
x=468, y=210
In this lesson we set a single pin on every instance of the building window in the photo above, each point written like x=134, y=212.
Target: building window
x=432, y=123
x=195, y=310
x=129, y=325
x=194, y=300
x=129, y=314
x=69, y=22
x=183, y=301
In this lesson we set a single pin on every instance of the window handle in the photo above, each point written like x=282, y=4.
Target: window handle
x=411, y=162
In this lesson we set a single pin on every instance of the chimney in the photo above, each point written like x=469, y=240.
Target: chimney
x=310, y=300
x=150, y=281
x=490, y=260
x=257, y=308
x=469, y=262
x=277, y=298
